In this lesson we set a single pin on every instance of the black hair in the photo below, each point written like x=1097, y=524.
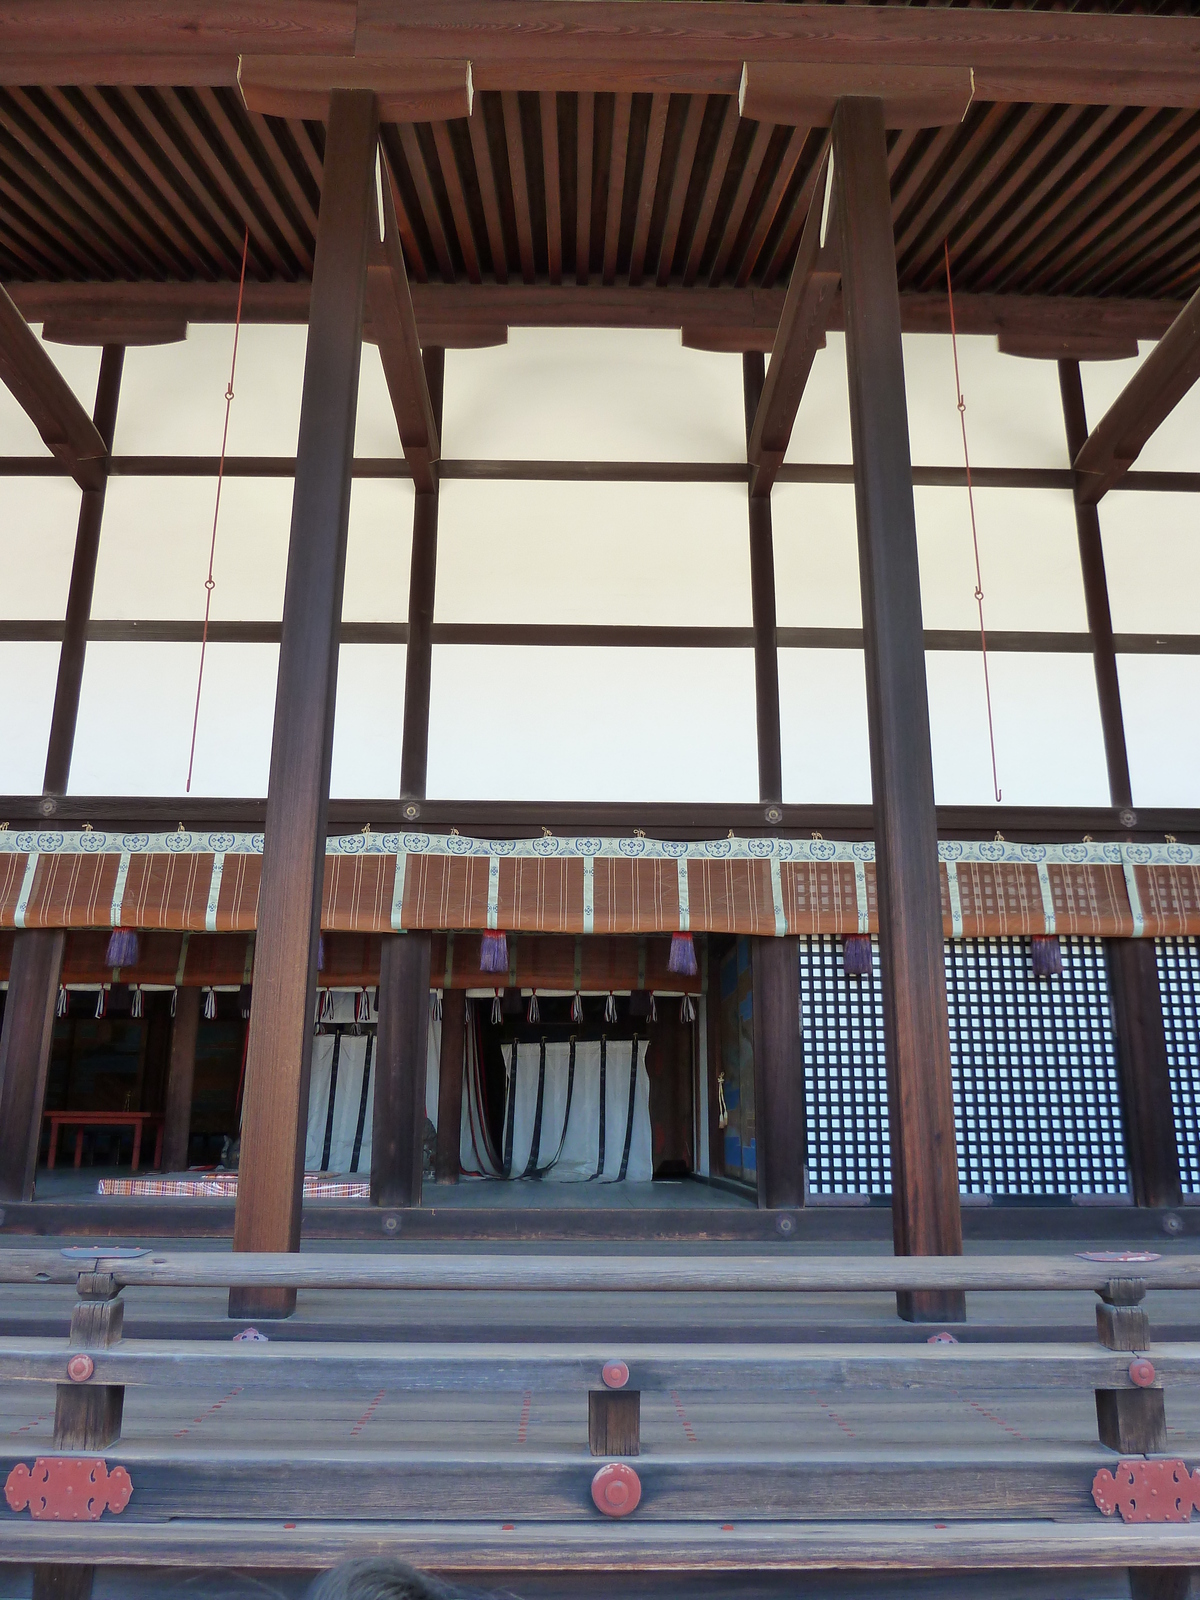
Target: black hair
x=377, y=1578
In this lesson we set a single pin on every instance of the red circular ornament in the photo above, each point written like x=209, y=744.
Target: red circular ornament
x=80, y=1368
x=1141, y=1372
x=616, y=1489
x=615, y=1374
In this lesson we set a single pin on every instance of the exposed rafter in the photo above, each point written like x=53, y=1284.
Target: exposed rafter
x=1145, y=402
x=801, y=334
x=394, y=327
x=48, y=399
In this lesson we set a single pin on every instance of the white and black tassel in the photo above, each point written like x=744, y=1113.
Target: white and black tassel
x=210, y=1004
x=610, y=1007
x=135, y=1002
x=577, y=1007
x=687, y=1009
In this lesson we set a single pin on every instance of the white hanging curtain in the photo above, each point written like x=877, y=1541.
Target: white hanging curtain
x=341, y=1095
x=578, y=1113
x=476, y=1154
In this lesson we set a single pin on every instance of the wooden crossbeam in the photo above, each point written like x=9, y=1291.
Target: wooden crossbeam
x=48, y=399
x=801, y=334
x=394, y=328
x=1146, y=401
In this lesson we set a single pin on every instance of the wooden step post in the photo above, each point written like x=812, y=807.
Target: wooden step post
x=1132, y=1421
x=87, y=1416
x=279, y=1050
x=926, y=1219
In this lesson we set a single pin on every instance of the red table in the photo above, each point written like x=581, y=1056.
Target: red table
x=137, y=1120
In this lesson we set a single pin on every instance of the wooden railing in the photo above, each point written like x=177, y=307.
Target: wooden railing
x=949, y=1507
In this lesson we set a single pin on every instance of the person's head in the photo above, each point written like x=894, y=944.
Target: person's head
x=377, y=1578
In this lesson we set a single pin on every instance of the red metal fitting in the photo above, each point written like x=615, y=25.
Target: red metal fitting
x=615, y=1374
x=80, y=1368
x=616, y=1489
x=68, y=1489
x=1141, y=1372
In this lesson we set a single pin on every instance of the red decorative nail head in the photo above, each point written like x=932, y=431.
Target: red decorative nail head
x=1141, y=1372
x=615, y=1374
x=616, y=1489
x=80, y=1368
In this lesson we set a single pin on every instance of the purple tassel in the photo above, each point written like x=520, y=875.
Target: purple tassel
x=683, y=955
x=64, y=1002
x=493, y=952
x=687, y=1009
x=135, y=1002
x=320, y=952
x=577, y=1008
x=857, y=960
x=1047, y=956
x=102, y=1001
x=210, y=1004
x=122, y=948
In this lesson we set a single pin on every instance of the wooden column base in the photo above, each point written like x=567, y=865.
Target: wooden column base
x=261, y=1304
x=1160, y=1583
x=615, y=1422
x=63, y=1583
x=932, y=1305
x=1132, y=1421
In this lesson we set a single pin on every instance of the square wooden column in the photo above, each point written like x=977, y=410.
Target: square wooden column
x=181, y=1076
x=1151, y=1147
x=279, y=1051
x=450, y=1084
x=762, y=604
x=25, y=1055
x=925, y=1200
x=401, y=1053
x=780, y=1124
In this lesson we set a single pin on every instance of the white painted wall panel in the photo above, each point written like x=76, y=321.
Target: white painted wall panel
x=605, y=394
x=823, y=727
x=592, y=724
x=634, y=553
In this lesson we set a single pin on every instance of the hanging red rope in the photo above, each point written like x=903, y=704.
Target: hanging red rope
x=962, y=417
x=209, y=583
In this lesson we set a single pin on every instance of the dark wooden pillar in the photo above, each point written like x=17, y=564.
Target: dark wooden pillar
x=450, y=1084
x=1095, y=594
x=422, y=585
x=762, y=603
x=401, y=1052
x=177, y=1122
x=1151, y=1151
x=780, y=1124
x=925, y=1201
x=83, y=581
x=279, y=1051
x=25, y=1055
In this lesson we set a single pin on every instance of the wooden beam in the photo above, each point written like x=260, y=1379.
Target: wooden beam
x=1147, y=400
x=797, y=94
x=279, y=1050
x=926, y=1219
x=1151, y=1151
x=548, y=107
x=450, y=1084
x=48, y=399
x=394, y=325
x=181, y=1075
x=398, y=1117
x=299, y=87
x=514, y=139
x=422, y=586
x=762, y=604
x=800, y=335
x=455, y=312
x=1095, y=596
x=539, y=44
x=780, y=1124
x=79, y=596
x=25, y=1043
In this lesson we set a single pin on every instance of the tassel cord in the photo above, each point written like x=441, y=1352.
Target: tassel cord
x=962, y=417
x=209, y=582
